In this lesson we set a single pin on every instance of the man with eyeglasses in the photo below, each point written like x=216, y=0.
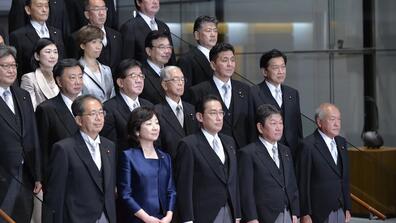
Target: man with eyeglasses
x=238, y=119
x=55, y=119
x=159, y=50
x=25, y=38
x=135, y=30
x=176, y=117
x=20, y=152
x=206, y=170
x=81, y=180
x=195, y=64
x=130, y=82
x=285, y=98
x=96, y=14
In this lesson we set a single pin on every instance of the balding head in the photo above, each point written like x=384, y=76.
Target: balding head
x=328, y=119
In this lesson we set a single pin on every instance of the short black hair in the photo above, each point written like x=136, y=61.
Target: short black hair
x=78, y=103
x=204, y=19
x=28, y=2
x=153, y=35
x=136, y=4
x=200, y=106
x=65, y=63
x=218, y=48
x=267, y=56
x=40, y=44
x=264, y=111
x=125, y=65
x=136, y=119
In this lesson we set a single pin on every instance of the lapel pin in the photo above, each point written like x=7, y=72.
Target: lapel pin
x=24, y=98
x=240, y=93
x=290, y=97
x=108, y=151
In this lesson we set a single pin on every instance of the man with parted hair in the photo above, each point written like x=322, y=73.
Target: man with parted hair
x=135, y=30
x=268, y=186
x=176, y=117
x=25, y=38
x=81, y=180
x=20, y=170
x=195, y=64
x=323, y=170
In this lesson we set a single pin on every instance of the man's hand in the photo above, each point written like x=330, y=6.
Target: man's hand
x=306, y=219
x=37, y=187
x=347, y=216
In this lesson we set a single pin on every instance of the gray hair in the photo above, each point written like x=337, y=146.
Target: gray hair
x=164, y=73
x=78, y=104
x=321, y=111
x=6, y=50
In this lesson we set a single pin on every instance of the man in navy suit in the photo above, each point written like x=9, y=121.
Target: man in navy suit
x=135, y=30
x=285, y=98
x=130, y=82
x=206, y=170
x=195, y=64
x=323, y=171
x=238, y=119
x=25, y=38
x=176, y=117
x=20, y=152
x=268, y=185
x=55, y=120
x=81, y=180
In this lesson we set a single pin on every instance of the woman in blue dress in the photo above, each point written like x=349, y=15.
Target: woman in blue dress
x=145, y=182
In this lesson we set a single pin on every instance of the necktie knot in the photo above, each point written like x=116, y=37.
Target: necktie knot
x=153, y=24
x=218, y=150
x=226, y=95
x=135, y=105
x=7, y=97
x=179, y=114
x=333, y=150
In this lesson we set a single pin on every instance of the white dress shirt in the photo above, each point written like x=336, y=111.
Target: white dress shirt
x=130, y=102
x=41, y=30
x=204, y=50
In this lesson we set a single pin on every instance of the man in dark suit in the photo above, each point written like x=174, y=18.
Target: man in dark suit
x=96, y=13
x=81, y=180
x=267, y=181
x=3, y=36
x=195, y=64
x=25, y=38
x=130, y=81
x=238, y=119
x=323, y=171
x=206, y=170
x=159, y=49
x=135, y=30
x=77, y=18
x=55, y=120
x=20, y=152
x=176, y=117
x=285, y=98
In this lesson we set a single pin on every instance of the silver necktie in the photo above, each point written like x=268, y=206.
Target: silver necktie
x=179, y=114
x=218, y=150
x=333, y=150
x=8, y=100
x=275, y=156
x=278, y=96
x=153, y=25
x=226, y=96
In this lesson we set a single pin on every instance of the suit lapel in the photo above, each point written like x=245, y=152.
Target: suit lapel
x=202, y=61
x=286, y=160
x=341, y=151
x=238, y=95
x=92, y=77
x=43, y=85
x=82, y=151
x=154, y=79
x=321, y=146
x=230, y=151
x=211, y=157
x=267, y=161
x=31, y=34
x=7, y=115
x=266, y=94
x=65, y=116
x=216, y=92
x=189, y=119
x=171, y=118
x=106, y=165
x=123, y=108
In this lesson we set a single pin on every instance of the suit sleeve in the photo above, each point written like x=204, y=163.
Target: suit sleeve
x=128, y=40
x=184, y=181
x=246, y=184
x=303, y=167
x=171, y=186
x=44, y=128
x=125, y=183
x=54, y=195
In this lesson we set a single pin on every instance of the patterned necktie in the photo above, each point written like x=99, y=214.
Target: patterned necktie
x=226, y=95
x=95, y=151
x=333, y=151
x=218, y=150
x=135, y=105
x=179, y=114
x=153, y=25
x=278, y=96
x=275, y=156
x=8, y=100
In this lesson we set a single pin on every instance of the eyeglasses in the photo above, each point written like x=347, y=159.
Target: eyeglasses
x=98, y=9
x=283, y=67
x=176, y=79
x=136, y=76
x=162, y=47
x=8, y=66
x=92, y=114
x=216, y=113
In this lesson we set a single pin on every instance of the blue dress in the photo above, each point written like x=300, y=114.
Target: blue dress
x=145, y=184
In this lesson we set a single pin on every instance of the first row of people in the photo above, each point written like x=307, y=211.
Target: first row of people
x=218, y=178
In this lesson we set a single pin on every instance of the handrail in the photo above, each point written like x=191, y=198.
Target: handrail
x=368, y=207
x=5, y=217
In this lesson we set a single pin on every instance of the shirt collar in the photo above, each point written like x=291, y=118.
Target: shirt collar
x=210, y=137
x=268, y=145
x=4, y=89
x=89, y=140
x=146, y=18
x=219, y=83
x=173, y=104
x=326, y=138
x=155, y=67
x=37, y=26
x=129, y=101
x=204, y=50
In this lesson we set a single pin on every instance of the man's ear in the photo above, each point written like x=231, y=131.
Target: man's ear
x=148, y=51
x=263, y=71
x=212, y=65
x=78, y=120
x=27, y=9
x=199, y=117
x=260, y=128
